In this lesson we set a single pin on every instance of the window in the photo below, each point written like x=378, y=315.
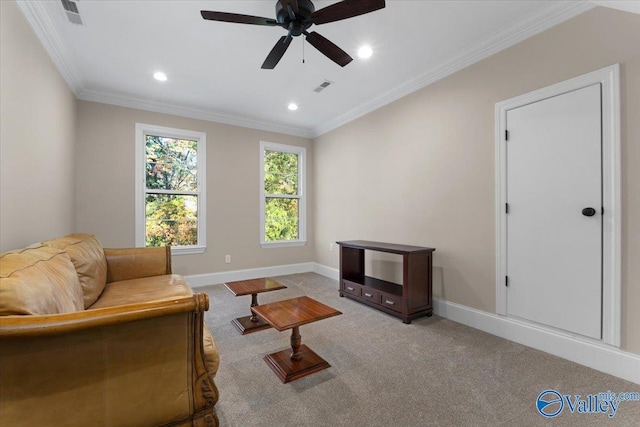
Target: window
x=170, y=188
x=282, y=195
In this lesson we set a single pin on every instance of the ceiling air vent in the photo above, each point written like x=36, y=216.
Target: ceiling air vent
x=72, y=11
x=325, y=84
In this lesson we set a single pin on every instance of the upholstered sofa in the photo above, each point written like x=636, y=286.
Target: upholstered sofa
x=102, y=337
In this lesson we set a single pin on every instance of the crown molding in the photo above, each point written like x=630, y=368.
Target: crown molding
x=624, y=5
x=190, y=112
x=38, y=17
x=556, y=13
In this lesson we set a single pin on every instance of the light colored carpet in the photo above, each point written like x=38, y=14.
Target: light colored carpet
x=433, y=372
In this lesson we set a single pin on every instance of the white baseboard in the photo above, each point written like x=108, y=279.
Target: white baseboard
x=595, y=355
x=331, y=273
x=199, y=280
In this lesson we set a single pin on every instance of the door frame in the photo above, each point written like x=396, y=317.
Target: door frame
x=609, y=78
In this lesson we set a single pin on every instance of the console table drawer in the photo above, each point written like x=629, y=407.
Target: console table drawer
x=351, y=288
x=391, y=301
x=371, y=295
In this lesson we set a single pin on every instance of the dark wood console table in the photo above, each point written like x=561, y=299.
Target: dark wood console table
x=408, y=301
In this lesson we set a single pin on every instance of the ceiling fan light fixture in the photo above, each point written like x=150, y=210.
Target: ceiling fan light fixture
x=160, y=76
x=297, y=16
x=292, y=106
x=365, y=52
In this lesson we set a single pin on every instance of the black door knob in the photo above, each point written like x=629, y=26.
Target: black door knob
x=588, y=212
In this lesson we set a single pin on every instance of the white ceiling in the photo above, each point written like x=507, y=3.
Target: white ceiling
x=214, y=68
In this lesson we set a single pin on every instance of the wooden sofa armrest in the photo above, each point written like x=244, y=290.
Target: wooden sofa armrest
x=30, y=326
x=137, y=364
x=135, y=263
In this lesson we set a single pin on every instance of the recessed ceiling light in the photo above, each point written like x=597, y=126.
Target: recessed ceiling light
x=160, y=76
x=365, y=52
x=293, y=106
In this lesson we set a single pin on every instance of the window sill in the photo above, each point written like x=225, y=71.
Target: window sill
x=282, y=244
x=187, y=250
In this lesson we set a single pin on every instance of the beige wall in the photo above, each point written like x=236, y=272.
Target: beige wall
x=37, y=141
x=105, y=187
x=421, y=170
x=418, y=171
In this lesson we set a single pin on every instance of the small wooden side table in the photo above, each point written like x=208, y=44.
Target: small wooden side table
x=300, y=361
x=253, y=287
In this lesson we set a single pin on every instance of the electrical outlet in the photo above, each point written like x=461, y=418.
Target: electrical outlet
x=331, y=247
x=227, y=259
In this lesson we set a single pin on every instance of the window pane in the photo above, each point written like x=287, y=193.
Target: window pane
x=171, y=220
x=280, y=173
x=281, y=222
x=171, y=164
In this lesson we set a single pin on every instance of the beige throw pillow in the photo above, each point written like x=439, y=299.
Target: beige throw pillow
x=87, y=255
x=38, y=280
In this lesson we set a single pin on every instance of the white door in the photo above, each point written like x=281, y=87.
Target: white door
x=554, y=249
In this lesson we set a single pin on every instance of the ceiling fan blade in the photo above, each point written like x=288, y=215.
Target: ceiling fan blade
x=276, y=53
x=237, y=18
x=345, y=9
x=329, y=49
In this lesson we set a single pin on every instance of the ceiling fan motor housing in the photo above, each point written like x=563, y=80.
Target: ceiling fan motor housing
x=296, y=16
x=302, y=19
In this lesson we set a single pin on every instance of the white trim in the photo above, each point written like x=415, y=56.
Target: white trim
x=38, y=16
x=611, y=269
x=283, y=244
x=612, y=203
x=141, y=129
x=554, y=14
x=190, y=112
x=187, y=250
x=301, y=152
x=587, y=352
x=593, y=354
x=323, y=270
x=625, y=5
x=199, y=280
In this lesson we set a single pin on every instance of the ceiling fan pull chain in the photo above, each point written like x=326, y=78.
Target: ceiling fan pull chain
x=303, y=40
x=297, y=16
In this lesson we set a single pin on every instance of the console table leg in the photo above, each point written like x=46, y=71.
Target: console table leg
x=254, y=302
x=296, y=339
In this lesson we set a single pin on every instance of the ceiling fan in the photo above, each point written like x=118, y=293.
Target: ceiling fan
x=296, y=16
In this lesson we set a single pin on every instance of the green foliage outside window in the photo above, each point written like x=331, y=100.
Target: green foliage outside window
x=171, y=166
x=281, y=179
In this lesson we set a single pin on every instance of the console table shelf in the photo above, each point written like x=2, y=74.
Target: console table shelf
x=409, y=300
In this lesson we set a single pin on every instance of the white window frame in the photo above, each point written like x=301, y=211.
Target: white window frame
x=301, y=196
x=141, y=186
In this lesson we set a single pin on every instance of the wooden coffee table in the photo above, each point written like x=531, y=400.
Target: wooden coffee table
x=253, y=287
x=300, y=361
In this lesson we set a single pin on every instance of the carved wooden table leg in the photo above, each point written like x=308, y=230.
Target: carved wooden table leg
x=253, y=323
x=296, y=339
x=296, y=362
x=254, y=302
x=253, y=287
